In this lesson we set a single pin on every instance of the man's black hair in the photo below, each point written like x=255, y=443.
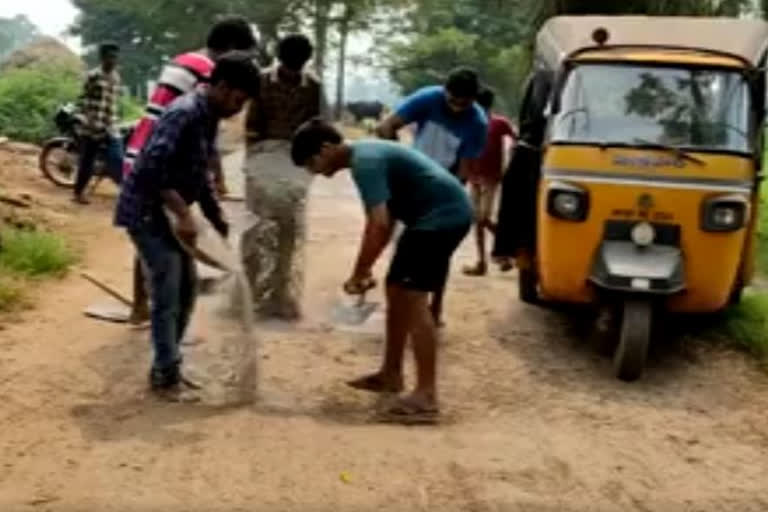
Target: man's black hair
x=294, y=51
x=309, y=139
x=463, y=83
x=486, y=97
x=237, y=69
x=107, y=48
x=233, y=33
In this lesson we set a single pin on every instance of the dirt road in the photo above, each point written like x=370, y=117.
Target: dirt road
x=534, y=420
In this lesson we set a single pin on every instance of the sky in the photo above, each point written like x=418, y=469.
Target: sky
x=52, y=17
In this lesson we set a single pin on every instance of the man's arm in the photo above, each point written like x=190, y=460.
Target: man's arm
x=212, y=210
x=216, y=171
x=158, y=171
x=185, y=224
x=388, y=128
x=412, y=110
x=254, y=121
x=378, y=232
x=465, y=168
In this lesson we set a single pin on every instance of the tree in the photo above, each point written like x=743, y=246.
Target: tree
x=150, y=31
x=15, y=33
x=349, y=17
x=496, y=36
x=487, y=35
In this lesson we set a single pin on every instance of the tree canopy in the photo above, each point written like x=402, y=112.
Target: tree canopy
x=416, y=41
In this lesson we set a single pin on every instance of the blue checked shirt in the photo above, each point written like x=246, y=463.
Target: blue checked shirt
x=176, y=157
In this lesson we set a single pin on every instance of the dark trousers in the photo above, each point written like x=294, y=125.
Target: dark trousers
x=89, y=149
x=173, y=287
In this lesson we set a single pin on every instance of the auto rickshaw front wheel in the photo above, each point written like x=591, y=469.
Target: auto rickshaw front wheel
x=632, y=351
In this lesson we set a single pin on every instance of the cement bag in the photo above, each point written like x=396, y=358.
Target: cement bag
x=221, y=354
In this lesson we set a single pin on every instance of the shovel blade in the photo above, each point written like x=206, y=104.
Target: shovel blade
x=353, y=314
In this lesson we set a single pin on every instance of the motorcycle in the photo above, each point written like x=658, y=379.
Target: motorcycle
x=60, y=155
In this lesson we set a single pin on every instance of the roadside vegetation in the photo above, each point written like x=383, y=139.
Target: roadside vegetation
x=746, y=325
x=29, y=98
x=25, y=256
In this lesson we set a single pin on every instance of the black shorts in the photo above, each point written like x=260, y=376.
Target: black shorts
x=422, y=258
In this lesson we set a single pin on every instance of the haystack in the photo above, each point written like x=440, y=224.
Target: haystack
x=44, y=51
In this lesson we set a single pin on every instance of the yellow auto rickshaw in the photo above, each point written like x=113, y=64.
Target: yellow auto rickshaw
x=647, y=194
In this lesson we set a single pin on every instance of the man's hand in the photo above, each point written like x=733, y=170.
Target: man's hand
x=186, y=230
x=388, y=128
x=359, y=284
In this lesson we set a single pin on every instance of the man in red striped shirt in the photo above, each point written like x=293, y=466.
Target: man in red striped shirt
x=183, y=74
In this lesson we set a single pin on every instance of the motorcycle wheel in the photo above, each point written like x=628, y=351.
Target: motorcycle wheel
x=58, y=162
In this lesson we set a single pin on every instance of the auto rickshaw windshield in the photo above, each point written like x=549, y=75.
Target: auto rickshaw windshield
x=689, y=108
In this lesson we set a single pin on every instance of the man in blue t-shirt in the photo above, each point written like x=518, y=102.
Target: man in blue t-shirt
x=397, y=183
x=451, y=129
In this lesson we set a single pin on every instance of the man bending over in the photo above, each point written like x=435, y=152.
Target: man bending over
x=397, y=183
x=171, y=173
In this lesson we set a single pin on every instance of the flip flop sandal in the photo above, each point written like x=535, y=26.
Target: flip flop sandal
x=190, y=384
x=373, y=384
x=409, y=414
x=177, y=396
x=476, y=271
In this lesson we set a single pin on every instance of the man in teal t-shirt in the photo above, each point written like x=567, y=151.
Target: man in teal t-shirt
x=397, y=183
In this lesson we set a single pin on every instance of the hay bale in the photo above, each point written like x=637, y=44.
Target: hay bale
x=43, y=52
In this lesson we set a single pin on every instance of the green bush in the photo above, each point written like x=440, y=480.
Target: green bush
x=130, y=108
x=29, y=98
x=34, y=253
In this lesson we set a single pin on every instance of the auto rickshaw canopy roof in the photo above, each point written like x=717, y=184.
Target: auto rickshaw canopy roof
x=563, y=37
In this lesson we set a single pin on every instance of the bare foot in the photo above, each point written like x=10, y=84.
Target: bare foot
x=378, y=383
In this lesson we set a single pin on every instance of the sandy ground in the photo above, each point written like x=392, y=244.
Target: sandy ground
x=534, y=420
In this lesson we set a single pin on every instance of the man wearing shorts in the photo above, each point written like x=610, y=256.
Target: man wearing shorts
x=485, y=175
x=450, y=129
x=397, y=183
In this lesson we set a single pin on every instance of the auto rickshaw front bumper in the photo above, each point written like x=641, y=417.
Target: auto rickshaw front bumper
x=624, y=266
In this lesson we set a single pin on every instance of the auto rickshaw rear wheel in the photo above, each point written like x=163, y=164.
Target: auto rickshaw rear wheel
x=632, y=351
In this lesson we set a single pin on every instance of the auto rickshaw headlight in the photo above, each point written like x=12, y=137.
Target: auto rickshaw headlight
x=643, y=234
x=567, y=202
x=725, y=213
